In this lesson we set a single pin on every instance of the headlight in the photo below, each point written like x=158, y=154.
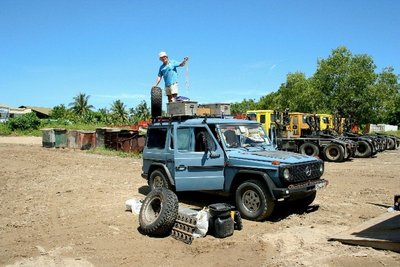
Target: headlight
x=321, y=168
x=286, y=174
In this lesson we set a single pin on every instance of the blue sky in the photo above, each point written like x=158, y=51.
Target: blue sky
x=50, y=51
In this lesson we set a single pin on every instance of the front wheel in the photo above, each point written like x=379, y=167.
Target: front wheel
x=253, y=200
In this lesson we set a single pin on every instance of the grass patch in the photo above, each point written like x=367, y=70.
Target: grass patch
x=396, y=133
x=4, y=129
x=115, y=153
x=29, y=132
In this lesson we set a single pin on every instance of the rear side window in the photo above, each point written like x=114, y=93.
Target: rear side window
x=156, y=138
x=185, y=140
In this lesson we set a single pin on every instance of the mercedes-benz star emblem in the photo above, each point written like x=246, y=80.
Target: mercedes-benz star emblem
x=308, y=171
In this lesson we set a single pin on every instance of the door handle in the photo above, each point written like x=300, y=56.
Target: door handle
x=181, y=168
x=214, y=155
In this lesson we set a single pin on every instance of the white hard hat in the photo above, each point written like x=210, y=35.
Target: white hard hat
x=162, y=54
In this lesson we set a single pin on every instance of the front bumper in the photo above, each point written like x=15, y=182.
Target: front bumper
x=305, y=187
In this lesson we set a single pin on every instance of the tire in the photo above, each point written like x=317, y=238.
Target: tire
x=158, y=212
x=334, y=153
x=253, y=201
x=309, y=149
x=349, y=154
x=391, y=144
x=156, y=102
x=158, y=179
x=363, y=149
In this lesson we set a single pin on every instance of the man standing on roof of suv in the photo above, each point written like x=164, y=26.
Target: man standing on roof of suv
x=169, y=72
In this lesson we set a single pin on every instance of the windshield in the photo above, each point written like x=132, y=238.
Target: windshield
x=235, y=136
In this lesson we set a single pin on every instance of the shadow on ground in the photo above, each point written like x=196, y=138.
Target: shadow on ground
x=199, y=200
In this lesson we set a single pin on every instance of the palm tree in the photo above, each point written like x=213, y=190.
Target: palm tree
x=80, y=106
x=118, y=111
x=142, y=112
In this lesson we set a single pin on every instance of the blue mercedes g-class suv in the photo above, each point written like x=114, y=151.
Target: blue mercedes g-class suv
x=231, y=156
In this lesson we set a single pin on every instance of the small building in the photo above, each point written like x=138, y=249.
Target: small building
x=4, y=113
x=7, y=112
x=382, y=128
x=41, y=112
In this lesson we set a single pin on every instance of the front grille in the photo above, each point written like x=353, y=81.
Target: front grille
x=304, y=172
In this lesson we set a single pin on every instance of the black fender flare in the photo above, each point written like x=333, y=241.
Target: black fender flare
x=264, y=177
x=157, y=165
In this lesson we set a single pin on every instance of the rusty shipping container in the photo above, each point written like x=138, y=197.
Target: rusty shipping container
x=48, y=138
x=86, y=140
x=130, y=141
x=111, y=138
x=72, y=136
x=100, y=137
x=60, y=138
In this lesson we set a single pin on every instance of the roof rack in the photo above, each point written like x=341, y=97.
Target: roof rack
x=180, y=118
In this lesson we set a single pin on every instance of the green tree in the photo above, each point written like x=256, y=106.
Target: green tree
x=269, y=101
x=394, y=116
x=81, y=106
x=384, y=95
x=140, y=113
x=60, y=112
x=24, y=122
x=345, y=81
x=242, y=107
x=118, y=112
x=298, y=94
x=104, y=116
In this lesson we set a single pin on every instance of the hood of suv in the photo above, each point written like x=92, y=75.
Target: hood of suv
x=269, y=156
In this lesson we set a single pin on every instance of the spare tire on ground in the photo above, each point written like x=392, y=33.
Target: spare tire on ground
x=158, y=212
x=156, y=102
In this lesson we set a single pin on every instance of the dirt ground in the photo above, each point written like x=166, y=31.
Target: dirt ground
x=64, y=207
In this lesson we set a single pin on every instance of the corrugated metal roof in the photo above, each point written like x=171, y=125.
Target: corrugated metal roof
x=4, y=106
x=42, y=110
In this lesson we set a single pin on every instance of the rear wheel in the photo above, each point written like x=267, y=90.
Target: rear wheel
x=159, y=179
x=309, y=149
x=334, y=152
x=253, y=200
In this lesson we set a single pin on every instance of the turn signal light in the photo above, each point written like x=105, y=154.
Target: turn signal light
x=276, y=162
